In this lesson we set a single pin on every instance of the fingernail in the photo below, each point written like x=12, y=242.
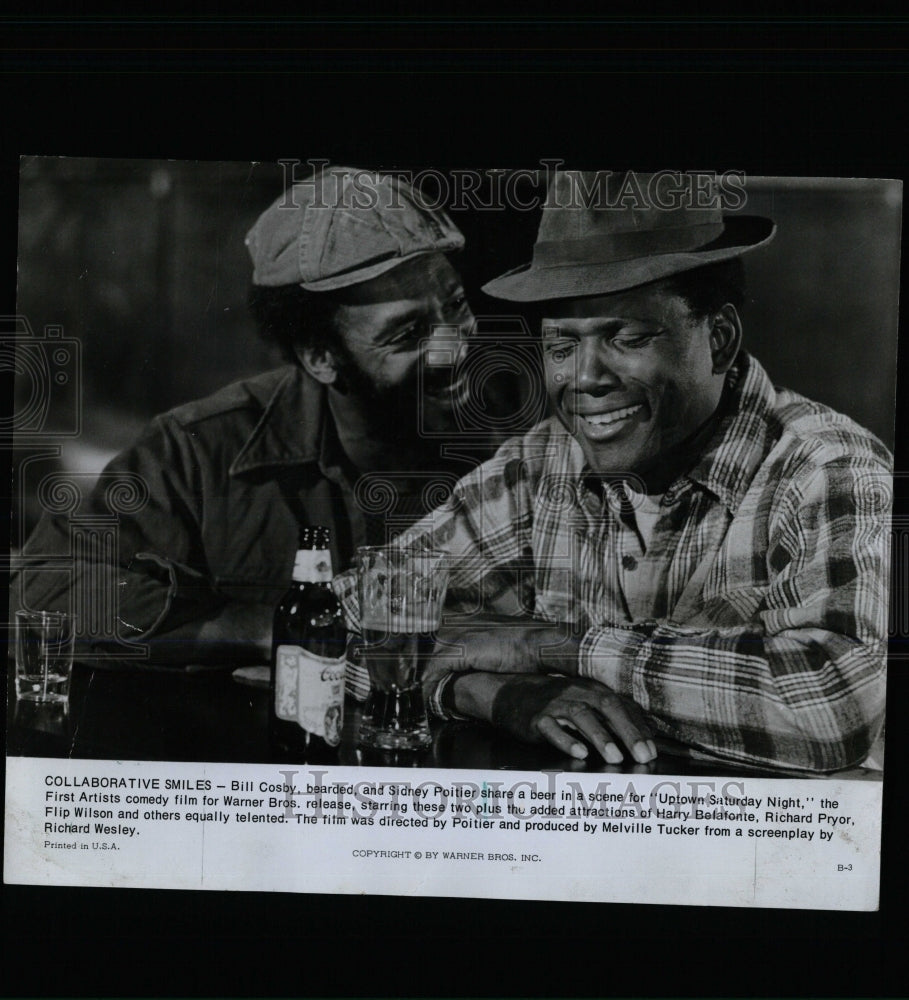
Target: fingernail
x=653, y=749
x=642, y=752
x=578, y=750
x=613, y=754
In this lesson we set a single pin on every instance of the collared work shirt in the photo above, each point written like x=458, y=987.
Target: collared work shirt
x=220, y=488
x=758, y=632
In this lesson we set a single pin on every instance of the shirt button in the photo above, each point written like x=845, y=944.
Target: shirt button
x=629, y=562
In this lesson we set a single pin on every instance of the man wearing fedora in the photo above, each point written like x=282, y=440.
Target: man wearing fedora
x=352, y=279
x=683, y=549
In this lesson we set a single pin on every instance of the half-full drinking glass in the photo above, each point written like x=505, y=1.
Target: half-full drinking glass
x=401, y=593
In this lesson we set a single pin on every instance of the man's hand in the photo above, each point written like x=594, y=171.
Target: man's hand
x=558, y=710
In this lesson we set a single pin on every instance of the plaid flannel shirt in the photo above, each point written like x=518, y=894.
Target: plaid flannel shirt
x=769, y=564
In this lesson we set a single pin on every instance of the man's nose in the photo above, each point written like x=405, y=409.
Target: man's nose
x=593, y=370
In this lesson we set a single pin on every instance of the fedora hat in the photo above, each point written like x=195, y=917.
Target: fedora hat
x=602, y=232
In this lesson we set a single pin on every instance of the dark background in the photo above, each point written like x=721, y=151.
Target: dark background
x=799, y=95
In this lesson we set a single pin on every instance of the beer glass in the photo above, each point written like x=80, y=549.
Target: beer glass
x=401, y=592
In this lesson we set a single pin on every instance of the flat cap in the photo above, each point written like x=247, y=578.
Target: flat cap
x=344, y=226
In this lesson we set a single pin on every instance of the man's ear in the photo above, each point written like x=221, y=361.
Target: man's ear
x=320, y=363
x=725, y=338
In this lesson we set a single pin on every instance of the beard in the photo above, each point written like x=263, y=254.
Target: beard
x=393, y=410
x=413, y=412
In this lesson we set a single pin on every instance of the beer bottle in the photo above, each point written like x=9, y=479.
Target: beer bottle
x=308, y=657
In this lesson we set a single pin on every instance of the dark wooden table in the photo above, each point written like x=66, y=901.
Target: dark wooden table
x=138, y=713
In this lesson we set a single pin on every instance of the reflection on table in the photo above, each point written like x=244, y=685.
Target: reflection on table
x=142, y=713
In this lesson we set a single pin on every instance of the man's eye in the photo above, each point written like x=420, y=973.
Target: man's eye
x=408, y=335
x=458, y=302
x=558, y=351
x=633, y=340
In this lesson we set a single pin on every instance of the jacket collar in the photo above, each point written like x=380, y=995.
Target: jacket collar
x=291, y=430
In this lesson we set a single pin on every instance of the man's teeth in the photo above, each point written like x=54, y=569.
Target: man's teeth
x=603, y=419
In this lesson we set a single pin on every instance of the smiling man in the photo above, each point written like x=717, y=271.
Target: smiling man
x=682, y=548
x=351, y=279
x=636, y=377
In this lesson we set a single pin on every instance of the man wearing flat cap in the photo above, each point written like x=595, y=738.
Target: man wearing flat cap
x=352, y=279
x=684, y=549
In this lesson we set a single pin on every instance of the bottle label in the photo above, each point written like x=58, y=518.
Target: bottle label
x=312, y=566
x=309, y=690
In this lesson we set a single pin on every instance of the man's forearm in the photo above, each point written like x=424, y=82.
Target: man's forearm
x=816, y=697
x=236, y=633
x=475, y=693
x=502, y=644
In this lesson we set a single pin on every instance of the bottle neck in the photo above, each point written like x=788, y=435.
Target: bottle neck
x=312, y=566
